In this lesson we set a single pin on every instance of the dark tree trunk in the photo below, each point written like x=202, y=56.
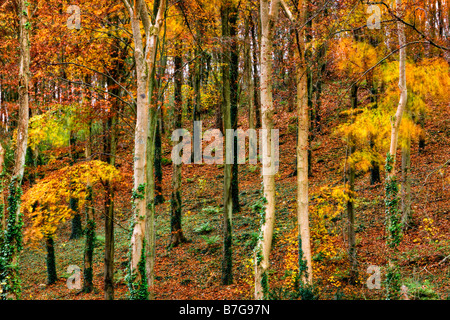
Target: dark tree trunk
x=234, y=78
x=51, y=264
x=77, y=229
x=350, y=203
x=227, y=262
x=88, y=272
x=158, y=164
x=177, y=236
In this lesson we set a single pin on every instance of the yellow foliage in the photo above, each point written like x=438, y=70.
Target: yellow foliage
x=329, y=203
x=353, y=57
x=47, y=201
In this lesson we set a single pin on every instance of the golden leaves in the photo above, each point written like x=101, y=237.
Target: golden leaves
x=47, y=201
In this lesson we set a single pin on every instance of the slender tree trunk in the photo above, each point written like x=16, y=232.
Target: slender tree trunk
x=51, y=265
x=351, y=237
x=351, y=223
x=256, y=86
x=269, y=16
x=77, y=229
x=234, y=99
x=395, y=121
x=304, y=245
x=158, y=161
x=13, y=235
x=88, y=272
x=227, y=265
x=177, y=236
x=150, y=234
x=2, y=199
x=422, y=136
x=110, y=144
x=143, y=194
x=393, y=219
x=303, y=154
x=406, y=183
x=248, y=74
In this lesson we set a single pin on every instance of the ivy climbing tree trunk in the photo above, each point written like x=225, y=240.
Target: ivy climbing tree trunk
x=11, y=240
x=142, y=241
x=269, y=15
x=227, y=263
x=391, y=197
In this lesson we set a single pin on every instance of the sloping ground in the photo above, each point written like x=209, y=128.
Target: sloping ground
x=193, y=270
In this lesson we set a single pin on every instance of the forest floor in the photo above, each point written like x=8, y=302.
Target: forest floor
x=193, y=270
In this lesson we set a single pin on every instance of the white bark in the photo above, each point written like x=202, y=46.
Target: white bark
x=395, y=121
x=145, y=63
x=302, y=144
x=24, y=79
x=268, y=17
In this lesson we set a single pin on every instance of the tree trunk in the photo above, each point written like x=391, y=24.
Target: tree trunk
x=396, y=120
x=158, y=161
x=406, y=183
x=150, y=233
x=304, y=245
x=303, y=154
x=268, y=18
x=2, y=199
x=177, y=236
x=351, y=237
x=234, y=99
x=391, y=200
x=256, y=86
x=227, y=262
x=88, y=272
x=77, y=229
x=145, y=55
x=51, y=265
x=13, y=235
x=248, y=79
x=110, y=144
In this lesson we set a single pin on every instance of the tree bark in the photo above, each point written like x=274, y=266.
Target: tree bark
x=227, y=263
x=304, y=245
x=396, y=120
x=176, y=234
x=50, y=259
x=351, y=237
x=145, y=56
x=256, y=86
x=269, y=15
x=88, y=271
x=234, y=99
x=13, y=235
x=406, y=184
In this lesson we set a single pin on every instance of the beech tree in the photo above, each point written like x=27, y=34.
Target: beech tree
x=143, y=237
x=269, y=15
x=304, y=246
x=11, y=241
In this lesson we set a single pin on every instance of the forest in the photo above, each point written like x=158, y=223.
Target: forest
x=224, y=150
